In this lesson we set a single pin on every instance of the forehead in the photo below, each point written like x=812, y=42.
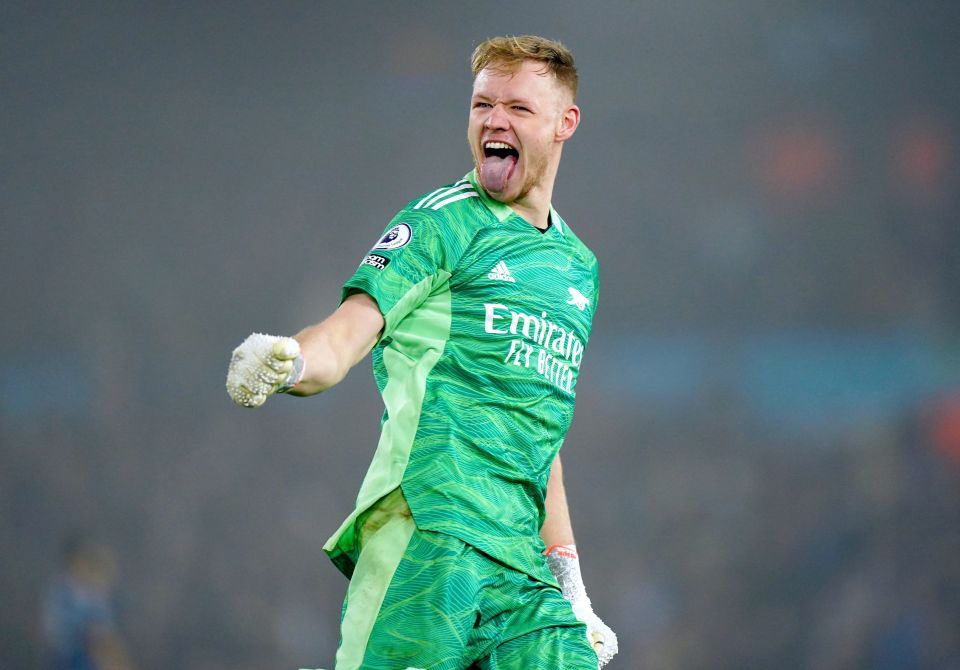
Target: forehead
x=530, y=79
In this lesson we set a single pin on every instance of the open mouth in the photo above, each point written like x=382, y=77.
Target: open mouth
x=499, y=150
x=499, y=161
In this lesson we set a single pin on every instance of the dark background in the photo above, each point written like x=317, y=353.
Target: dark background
x=764, y=465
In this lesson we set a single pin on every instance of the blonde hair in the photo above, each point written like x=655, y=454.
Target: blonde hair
x=507, y=53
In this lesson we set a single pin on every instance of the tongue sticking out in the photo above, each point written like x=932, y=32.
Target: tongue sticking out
x=495, y=172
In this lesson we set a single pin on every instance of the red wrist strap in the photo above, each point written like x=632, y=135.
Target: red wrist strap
x=564, y=550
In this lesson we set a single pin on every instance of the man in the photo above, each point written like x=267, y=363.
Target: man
x=79, y=614
x=477, y=304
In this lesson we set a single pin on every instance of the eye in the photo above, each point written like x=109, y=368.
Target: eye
x=521, y=108
x=481, y=105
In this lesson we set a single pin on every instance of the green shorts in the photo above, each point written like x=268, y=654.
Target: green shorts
x=420, y=599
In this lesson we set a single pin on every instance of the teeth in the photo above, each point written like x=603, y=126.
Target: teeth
x=497, y=145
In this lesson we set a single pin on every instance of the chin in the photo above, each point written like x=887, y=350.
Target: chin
x=506, y=197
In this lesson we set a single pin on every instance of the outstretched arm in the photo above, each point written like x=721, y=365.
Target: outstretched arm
x=564, y=563
x=314, y=360
x=333, y=346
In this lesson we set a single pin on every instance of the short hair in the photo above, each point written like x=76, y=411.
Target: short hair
x=508, y=52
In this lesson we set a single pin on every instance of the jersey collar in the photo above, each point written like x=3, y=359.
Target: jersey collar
x=503, y=212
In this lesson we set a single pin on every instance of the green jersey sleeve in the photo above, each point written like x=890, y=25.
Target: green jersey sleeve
x=417, y=254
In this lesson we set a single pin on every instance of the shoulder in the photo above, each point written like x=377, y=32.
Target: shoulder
x=444, y=197
x=453, y=210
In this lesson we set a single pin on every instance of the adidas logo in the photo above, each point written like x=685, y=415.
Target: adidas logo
x=501, y=272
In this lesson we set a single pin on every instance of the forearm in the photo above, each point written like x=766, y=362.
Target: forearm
x=557, y=534
x=330, y=348
x=313, y=361
x=323, y=366
x=557, y=527
x=564, y=563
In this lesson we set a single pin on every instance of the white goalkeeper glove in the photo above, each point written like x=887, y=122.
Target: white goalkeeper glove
x=261, y=366
x=564, y=563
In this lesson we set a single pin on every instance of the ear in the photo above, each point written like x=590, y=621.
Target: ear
x=568, y=123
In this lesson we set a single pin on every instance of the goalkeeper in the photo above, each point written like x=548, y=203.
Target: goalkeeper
x=476, y=304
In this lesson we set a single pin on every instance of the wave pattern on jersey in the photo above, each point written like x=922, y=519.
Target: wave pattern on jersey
x=472, y=606
x=489, y=301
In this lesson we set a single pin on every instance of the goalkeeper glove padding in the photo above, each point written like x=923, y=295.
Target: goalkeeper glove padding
x=261, y=366
x=564, y=563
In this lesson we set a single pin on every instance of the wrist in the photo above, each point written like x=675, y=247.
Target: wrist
x=564, y=563
x=566, y=550
x=296, y=374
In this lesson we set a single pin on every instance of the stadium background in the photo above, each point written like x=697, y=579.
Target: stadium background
x=765, y=461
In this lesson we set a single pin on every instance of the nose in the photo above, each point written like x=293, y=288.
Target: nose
x=497, y=119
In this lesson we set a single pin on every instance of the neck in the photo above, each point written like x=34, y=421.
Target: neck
x=534, y=207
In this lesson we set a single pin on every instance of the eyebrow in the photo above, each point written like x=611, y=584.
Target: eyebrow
x=512, y=101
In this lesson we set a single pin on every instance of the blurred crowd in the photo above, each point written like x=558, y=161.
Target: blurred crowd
x=751, y=550
x=723, y=544
x=764, y=467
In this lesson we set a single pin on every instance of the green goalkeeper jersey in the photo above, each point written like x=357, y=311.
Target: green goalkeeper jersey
x=486, y=320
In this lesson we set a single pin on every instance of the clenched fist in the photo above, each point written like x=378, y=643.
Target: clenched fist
x=261, y=366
